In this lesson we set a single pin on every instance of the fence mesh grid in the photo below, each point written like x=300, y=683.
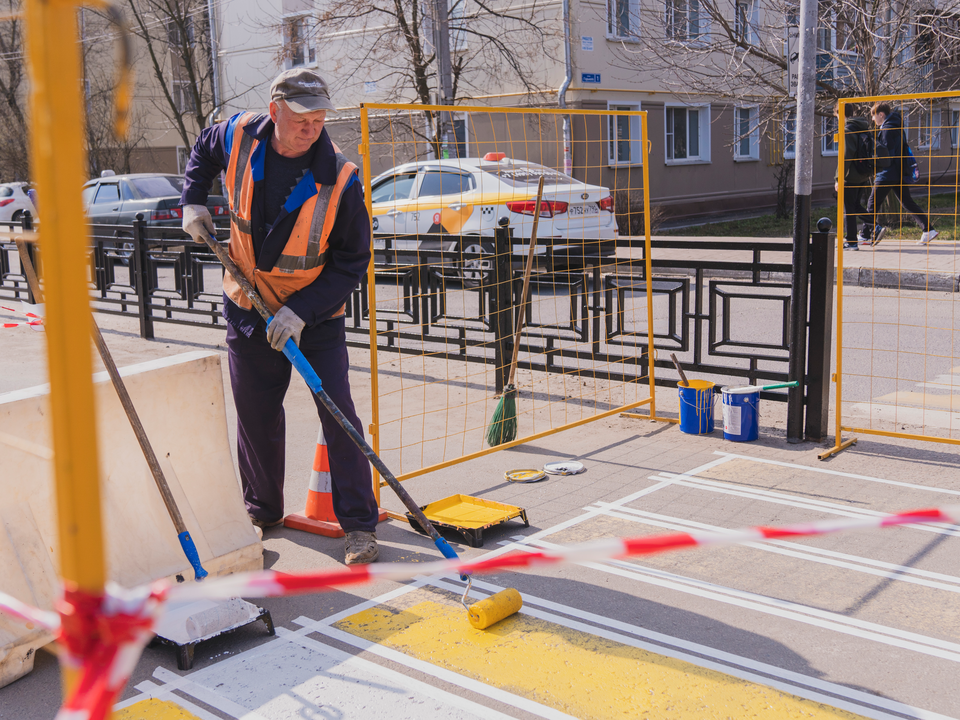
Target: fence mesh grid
x=446, y=288
x=898, y=322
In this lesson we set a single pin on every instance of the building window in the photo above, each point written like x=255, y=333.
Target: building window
x=746, y=20
x=929, y=130
x=828, y=142
x=790, y=134
x=746, y=130
x=183, y=97
x=954, y=125
x=682, y=20
x=623, y=136
x=623, y=19
x=298, y=42
x=688, y=134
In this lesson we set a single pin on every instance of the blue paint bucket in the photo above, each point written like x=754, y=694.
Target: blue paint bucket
x=741, y=414
x=696, y=407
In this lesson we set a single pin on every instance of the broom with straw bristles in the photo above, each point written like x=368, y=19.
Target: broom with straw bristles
x=503, y=424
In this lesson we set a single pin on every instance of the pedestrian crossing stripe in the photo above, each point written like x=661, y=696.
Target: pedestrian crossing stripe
x=582, y=675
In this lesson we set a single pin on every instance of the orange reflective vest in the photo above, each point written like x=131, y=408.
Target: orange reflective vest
x=305, y=253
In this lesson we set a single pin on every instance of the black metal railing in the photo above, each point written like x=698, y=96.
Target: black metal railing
x=722, y=306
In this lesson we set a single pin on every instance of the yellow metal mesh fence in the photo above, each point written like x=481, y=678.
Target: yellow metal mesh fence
x=898, y=325
x=453, y=213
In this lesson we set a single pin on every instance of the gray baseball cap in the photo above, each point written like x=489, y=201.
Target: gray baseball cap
x=303, y=90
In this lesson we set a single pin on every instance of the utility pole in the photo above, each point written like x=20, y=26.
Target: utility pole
x=441, y=31
x=803, y=187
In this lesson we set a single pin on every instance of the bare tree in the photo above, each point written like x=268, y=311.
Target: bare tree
x=491, y=47
x=14, y=130
x=175, y=36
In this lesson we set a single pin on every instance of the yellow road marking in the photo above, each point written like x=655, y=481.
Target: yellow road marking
x=153, y=709
x=580, y=674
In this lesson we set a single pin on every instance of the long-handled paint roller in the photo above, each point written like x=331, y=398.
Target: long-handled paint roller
x=503, y=424
x=493, y=608
x=190, y=623
x=186, y=542
x=754, y=388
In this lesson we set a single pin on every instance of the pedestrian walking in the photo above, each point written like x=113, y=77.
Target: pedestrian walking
x=300, y=233
x=857, y=157
x=893, y=179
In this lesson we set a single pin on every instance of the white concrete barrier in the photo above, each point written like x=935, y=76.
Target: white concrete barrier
x=180, y=401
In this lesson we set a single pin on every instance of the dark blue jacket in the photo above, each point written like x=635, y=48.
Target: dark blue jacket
x=891, y=137
x=349, y=241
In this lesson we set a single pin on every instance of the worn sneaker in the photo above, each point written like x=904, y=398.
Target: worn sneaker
x=263, y=524
x=927, y=237
x=878, y=232
x=847, y=245
x=864, y=236
x=361, y=547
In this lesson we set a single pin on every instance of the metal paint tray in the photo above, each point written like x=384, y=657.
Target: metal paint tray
x=468, y=516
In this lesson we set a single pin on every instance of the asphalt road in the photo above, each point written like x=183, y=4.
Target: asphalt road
x=848, y=625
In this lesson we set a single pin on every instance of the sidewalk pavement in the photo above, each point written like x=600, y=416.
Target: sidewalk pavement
x=894, y=263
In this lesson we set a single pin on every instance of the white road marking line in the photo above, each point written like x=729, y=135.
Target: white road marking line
x=825, y=471
x=208, y=696
x=805, y=504
x=150, y=689
x=886, y=570
x=427, y=668
x=827, y=620
x=724, y=659
x=410, y=684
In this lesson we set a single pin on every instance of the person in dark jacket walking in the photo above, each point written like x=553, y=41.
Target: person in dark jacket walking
x=300, y=233
x=856, y=131
x=891, y=179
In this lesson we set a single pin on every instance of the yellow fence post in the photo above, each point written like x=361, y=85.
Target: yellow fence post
x=59, y=168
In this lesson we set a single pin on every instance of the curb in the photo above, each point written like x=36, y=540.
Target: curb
x=901, y=279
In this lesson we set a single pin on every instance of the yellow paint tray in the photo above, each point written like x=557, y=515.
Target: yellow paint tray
x=469, y=516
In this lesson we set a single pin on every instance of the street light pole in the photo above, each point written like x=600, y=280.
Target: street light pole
x=803, y=186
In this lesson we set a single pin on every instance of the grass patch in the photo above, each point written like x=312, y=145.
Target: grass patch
x=944, y=208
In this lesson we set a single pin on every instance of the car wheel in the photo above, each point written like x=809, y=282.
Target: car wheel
x=478, y=268
x=124, y=252
x=17, y=216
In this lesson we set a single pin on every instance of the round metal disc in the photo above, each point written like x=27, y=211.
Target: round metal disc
x=568, y=467
x=524, y=476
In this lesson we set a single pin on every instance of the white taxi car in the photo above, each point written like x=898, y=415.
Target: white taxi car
x=466, y=197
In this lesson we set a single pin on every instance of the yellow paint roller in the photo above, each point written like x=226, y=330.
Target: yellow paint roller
x=495, y=608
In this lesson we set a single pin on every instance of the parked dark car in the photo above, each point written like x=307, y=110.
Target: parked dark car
x=117, y=199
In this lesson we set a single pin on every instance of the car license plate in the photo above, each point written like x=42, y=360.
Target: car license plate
x=591, y=209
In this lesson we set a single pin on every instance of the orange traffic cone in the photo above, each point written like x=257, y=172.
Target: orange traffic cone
x=318, y=516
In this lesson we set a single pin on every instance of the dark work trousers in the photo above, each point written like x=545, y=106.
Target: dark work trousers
x=853, y=210
x=260, y=376
x=902, y=193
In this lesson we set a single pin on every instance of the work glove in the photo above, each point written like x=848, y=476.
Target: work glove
x=197, y=222
x=286, y=324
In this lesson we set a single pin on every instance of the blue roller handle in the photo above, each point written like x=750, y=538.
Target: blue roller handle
x=297, y=359
x=190, y=550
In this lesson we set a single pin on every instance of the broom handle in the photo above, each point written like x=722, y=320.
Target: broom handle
x=526, y=285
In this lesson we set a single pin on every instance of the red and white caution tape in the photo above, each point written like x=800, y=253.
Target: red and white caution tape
x=33, y=319
x=103, y=635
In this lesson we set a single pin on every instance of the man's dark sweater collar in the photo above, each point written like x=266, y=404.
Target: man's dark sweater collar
x=324, y=166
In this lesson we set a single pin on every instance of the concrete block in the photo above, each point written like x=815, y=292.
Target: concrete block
x=180, y=401
x=27, y=573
